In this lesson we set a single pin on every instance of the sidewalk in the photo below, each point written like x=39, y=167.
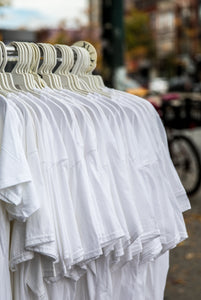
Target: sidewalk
x=184, y=278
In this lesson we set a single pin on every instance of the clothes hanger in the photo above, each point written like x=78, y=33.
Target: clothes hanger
x=47, y=66
x=42, y=70
x=29, y=65
x=22, y=79
x=26, y=68
x=3, y=86
x=66, y=65
x=25, y=60
x=7, y=76
x=77, y=67
x=95, y=79
x=3, y=79
x=85, y=66
x=93, y=59
x=69, y=80
x=85, y=73
x=81, y=67
x=91, y=50
x=53, y=56
x=34, y=65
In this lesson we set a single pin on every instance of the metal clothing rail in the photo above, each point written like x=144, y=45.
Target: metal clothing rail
x=11, y=50
x=13, y=54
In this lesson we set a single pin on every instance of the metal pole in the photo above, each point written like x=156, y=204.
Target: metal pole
x=118, y=32
x=113, y=37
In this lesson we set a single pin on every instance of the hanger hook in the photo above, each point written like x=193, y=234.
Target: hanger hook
x=4, y=56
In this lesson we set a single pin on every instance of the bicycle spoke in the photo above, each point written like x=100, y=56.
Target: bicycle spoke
x=187, y=162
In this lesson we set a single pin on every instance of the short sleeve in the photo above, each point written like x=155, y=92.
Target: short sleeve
x=157, y=132
x=169, y=169
x=16, y=186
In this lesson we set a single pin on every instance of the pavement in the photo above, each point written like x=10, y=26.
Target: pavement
x=184, y=277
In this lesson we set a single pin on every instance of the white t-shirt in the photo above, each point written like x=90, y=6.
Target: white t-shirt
x=16, y=188
x=89, y=238
x=169, y=208
x=157, y=132
x=150, y=229
x=38, y=230
x=50, y=162
x=105, y=145
x=5, y=283
x=110, y=223
x=92, y=171
x=62, y=165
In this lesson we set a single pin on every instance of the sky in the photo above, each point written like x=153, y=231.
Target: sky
x=34, y=14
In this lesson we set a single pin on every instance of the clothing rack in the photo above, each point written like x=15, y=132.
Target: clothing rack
x=11, y=50
x=13, y=54
x=74, y=180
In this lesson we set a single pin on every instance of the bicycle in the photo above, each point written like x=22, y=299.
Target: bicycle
x=178, y=114
x=186, y=160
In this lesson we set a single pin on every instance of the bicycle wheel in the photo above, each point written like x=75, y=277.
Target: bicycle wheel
x=187, y=162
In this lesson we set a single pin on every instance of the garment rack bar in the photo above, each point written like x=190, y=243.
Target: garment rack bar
x=11, y=50
x=12, y=53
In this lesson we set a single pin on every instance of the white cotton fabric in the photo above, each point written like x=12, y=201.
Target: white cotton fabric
x=100, y=193
x=181, y=232
x=138, y=192
x=38, y=228
x=5, y=282
x=87, y=254
x=94, y=199
x=92, y=158
x=157, y=132
x=16, y=188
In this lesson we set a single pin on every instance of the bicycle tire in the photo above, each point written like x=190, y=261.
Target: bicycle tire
x=190, y=156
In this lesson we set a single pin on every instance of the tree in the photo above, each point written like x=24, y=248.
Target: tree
x=138, y=34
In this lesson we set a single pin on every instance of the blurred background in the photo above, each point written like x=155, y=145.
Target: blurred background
x=150, y=48
x=155, y=43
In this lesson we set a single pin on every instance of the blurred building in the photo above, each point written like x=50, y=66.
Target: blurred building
x=146, y=5
x=63, y=36
x=187, y=26
x=94, y=28
x=128, y=4
x=94, y=12
x=5, y=2
x=165, y=28
x=174, y=24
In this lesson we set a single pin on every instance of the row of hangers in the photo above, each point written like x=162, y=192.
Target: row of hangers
x=36, y=68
